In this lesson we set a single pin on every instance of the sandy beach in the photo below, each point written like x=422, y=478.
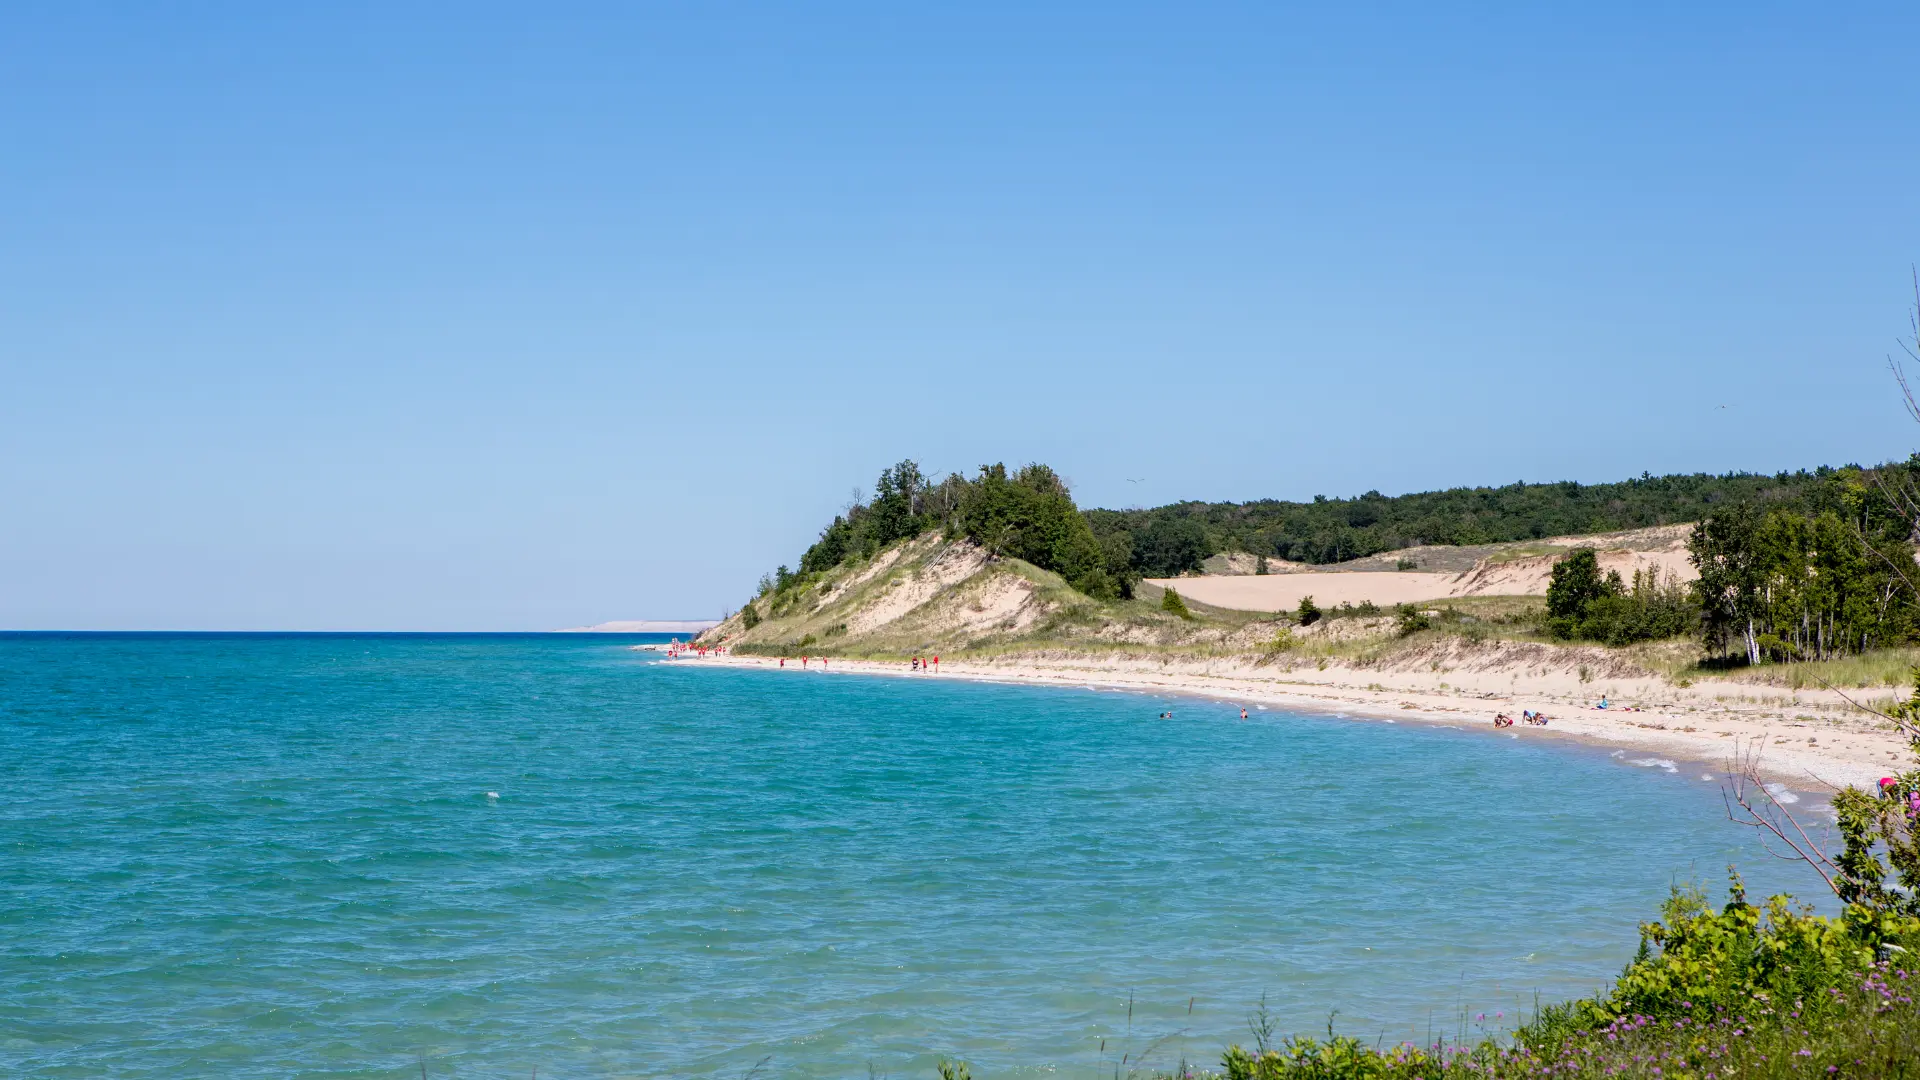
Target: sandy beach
x=1810, y=741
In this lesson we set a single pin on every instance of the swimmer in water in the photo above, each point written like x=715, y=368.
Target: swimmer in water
x=1243, y=712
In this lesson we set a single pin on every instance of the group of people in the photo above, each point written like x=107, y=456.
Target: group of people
x=931, y=663
x=804, y=659
x=1527, y=716
x=676, y=650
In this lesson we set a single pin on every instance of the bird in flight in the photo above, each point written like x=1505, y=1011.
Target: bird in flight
x=1143, y=479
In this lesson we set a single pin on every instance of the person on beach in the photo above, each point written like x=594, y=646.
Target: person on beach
x=916, y=664
x=936, y=663
x=783, y=661
x=803, y=659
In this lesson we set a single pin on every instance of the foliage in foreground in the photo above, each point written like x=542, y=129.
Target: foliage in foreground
x=1743, y=991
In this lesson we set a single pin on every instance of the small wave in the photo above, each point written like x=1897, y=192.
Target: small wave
x=1706, y=776
x=1654, y=763
x=1781, y=795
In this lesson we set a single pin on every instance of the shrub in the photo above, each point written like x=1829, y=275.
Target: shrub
x=1413, y=620
x=1283, y=640
x=1585, y=604
x=749, y=616
x=1309, y=612
x=1170, y=601
x=1742, y=991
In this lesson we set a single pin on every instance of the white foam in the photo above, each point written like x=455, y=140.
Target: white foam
x=1706, y=776
x=493, y=796
x=1654, y=763
x=1781, y=795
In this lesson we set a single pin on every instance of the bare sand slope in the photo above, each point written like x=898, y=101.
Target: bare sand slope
x=1282, y=592
x=1502, y=570
x=1529, y=576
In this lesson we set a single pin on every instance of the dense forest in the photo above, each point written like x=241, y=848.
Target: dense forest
x=1171, y=540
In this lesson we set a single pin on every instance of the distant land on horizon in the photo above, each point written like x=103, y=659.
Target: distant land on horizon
x=645, y=626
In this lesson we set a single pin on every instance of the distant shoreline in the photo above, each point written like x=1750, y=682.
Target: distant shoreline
x=1847, y=750
x=645, y=626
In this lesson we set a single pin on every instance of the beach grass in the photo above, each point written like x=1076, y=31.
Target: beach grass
x=1865, y=671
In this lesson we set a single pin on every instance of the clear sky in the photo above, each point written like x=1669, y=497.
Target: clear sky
x=488, y=317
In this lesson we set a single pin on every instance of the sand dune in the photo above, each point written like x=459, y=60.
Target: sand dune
x=1500, y=574
x=1282, y=592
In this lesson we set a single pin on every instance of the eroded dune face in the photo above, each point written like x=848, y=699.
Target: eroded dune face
x=1503, y=573
x=1529, y=576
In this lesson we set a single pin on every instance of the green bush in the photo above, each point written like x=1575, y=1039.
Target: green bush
x=1308, y=612
x=1413, y=620
x=1586, y=605
x=1170, y=601
x=1738, y=992
x=749, y=616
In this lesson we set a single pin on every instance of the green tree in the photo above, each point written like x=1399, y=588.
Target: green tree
x=1116, y=551
x=1030, y=515
x=1789, y=585
x=1576, y=582
x=1308, y=613
x=1171, y=546
x=895, y=513
x=1170, y=601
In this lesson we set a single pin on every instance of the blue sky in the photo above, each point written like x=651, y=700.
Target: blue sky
x=492, y=317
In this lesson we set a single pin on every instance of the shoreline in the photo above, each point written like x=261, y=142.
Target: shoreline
x=1844, y=747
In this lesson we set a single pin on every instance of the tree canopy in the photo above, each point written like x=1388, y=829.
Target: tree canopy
x=1170, y=540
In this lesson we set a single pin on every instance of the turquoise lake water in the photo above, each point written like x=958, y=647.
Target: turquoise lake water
x=277, y=856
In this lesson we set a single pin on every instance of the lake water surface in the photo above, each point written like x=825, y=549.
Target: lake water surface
x=346, y=856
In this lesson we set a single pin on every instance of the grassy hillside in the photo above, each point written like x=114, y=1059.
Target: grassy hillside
x=931, y=594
